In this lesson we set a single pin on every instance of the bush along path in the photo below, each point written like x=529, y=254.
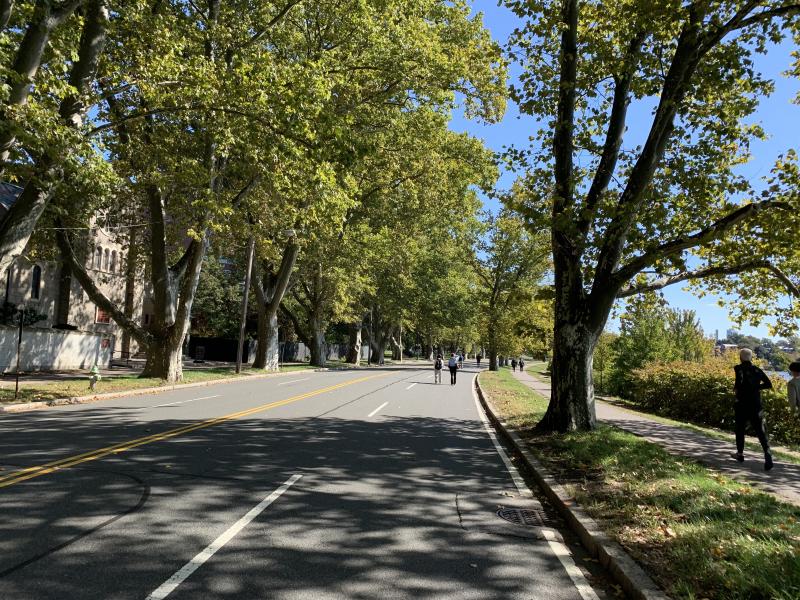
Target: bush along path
x=698, y=533
x=783, y=480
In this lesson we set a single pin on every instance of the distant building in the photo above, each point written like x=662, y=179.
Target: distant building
x=721, y=348
x=48, y=287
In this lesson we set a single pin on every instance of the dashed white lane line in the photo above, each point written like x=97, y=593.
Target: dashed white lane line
x=412, y=385
x=169, y=586
x=294, y=381
x=559, y=549
x=185, y=401
x=374, y=412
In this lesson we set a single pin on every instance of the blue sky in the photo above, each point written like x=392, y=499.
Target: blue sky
x=778, y=116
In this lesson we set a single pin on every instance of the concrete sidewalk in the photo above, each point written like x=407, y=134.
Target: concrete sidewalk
x=783, y=481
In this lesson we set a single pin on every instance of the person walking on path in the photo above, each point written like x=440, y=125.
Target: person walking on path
x=513, y=364
x=750, y=380
x=452, y=364
x=460, y=361
x=793, y=386
x=437, y=369
x=521, y=364
x=478, y=359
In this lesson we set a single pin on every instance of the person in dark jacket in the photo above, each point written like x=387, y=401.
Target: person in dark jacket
x=750, y=380
x=452, y=364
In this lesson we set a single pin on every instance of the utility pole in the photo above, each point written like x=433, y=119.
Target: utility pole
x=19, y=348
x=369, y=346
x=251, y=246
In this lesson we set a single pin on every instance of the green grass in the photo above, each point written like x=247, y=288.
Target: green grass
x=790, y=456
x=80, y=387
x=699, y=534
x=538, y=367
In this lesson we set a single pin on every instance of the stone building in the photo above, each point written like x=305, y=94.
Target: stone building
x=48, y=287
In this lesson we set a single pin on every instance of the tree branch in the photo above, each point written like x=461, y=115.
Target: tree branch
x=754, y=265
x=563, y=139
x=705, y=235
x=614, y=134
x=741, y=21
x=6, y=8
x=95, y=295
x=284, y=275
x=684, y=64
x=298, y=329
x=272, y=22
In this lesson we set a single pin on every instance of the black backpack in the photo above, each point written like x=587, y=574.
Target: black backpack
x=438, y=364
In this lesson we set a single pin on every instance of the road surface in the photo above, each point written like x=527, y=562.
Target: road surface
x=343, y=484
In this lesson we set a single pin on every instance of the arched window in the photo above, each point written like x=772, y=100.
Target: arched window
x=36, y=282
x=106, y=254
x=113, y=261
x=98, y=258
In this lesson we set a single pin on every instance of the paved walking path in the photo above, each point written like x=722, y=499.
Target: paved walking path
x=783, y=480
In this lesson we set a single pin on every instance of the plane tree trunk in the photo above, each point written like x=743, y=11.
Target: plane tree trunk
x=354, y=343
x=270, y=289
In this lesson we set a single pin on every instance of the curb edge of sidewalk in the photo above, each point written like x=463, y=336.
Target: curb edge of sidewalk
x=40, y=404
x=625, y=571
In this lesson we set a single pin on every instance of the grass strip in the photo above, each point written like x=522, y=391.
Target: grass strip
x=80, y=387
x=699, y=534
x=792, y=456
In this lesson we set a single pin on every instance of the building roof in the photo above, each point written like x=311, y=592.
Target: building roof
x=8, y=194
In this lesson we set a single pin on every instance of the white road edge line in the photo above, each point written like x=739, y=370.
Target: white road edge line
x=294, y=381
x=169, y=586
x=372, y=414
x=519, y=482
x=564, y=556
x=559, y=549
x=185, y=401
x=412, y=385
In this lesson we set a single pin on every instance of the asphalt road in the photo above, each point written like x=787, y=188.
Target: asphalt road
x=341, y=484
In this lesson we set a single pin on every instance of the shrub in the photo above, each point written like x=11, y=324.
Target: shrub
x=703, y=394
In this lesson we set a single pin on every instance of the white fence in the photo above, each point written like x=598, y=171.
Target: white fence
x=53, y=349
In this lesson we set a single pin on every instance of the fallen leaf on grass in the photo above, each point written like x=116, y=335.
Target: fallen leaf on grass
x=668, y=531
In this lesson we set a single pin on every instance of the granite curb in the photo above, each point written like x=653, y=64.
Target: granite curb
x=37, y=405
x=626, y=572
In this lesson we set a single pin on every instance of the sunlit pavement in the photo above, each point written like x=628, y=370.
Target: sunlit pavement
x=320, y=485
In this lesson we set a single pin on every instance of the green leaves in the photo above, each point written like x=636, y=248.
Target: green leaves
x=695, y=67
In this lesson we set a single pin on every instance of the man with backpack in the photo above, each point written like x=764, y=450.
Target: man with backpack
x=452, y=364
x=750, y=380
x=437, y=369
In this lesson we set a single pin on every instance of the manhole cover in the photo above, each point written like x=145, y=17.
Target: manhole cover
x=523, y=516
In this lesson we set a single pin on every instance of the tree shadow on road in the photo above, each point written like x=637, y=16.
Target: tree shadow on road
x=373, y=515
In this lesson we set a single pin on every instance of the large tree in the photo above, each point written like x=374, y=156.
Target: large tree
x=667, y=206
x=50, y=58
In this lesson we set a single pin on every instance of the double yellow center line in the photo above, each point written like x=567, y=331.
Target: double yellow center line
x=71, y=461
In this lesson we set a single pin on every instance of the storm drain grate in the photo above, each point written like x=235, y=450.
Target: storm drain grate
x=523, y=516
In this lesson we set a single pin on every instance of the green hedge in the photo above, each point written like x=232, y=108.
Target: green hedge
x=703, y=394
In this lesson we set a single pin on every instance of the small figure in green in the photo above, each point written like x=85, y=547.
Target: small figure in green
x=94, y=376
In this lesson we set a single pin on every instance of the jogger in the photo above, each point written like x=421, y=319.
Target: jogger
x=750, y=380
